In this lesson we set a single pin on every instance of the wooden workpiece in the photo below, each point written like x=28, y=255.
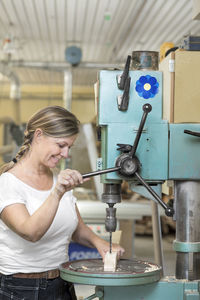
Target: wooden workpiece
x=110, y=261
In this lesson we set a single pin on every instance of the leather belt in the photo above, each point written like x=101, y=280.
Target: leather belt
x=51, y=274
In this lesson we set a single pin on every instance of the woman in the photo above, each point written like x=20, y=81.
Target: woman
x=38, y=212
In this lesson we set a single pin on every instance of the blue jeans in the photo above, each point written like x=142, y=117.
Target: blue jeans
x=35, y=289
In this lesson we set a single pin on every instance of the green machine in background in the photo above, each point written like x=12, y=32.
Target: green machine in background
x=147, y=150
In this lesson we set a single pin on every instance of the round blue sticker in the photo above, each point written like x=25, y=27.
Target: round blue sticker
x=147, y=86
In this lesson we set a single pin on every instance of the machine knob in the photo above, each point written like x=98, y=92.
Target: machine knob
x=147, y=107
x=169, y=211
x=128, y=165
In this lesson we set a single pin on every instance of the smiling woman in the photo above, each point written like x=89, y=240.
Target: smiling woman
x=38, y=211
x=51, y=149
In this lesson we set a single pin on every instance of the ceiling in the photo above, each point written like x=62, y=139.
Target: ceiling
x=33, y=32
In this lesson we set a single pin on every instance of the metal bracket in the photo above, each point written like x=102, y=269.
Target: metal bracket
x=98, y=294
x=186, y=246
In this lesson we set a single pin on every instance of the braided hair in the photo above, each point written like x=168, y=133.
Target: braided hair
x=54, y=121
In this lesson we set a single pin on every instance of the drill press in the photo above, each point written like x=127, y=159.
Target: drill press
x=148, y=150
x=128, y=166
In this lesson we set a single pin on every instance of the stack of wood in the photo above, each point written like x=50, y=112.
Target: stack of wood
x=144, y=226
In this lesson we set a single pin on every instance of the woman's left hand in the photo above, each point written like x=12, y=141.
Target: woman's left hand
x=103, y=247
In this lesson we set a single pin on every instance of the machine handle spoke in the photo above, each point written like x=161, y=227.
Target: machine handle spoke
x=100, y=172
x=195, y=133
x=146, y=108
x=168, y=210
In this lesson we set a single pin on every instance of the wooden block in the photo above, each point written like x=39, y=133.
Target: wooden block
x=110, y=261
x=116, y=236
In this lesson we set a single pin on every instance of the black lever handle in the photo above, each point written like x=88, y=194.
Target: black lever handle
x=125, y=148
x=169, y=211
x=146, y=108
x=195, y=133
x=121, y=79
x=123, y=100
x=100, y=172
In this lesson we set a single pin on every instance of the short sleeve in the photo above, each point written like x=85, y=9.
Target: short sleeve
x=9, y=191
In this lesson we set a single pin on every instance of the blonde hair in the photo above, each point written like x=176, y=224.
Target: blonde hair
x=54, y=121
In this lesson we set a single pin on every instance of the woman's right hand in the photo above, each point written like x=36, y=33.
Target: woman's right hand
x=67, y=180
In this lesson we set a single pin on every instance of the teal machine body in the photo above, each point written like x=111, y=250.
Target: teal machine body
x=163, y=151
x=122, y=126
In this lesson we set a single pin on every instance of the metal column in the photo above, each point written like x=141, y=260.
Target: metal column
x=187, y=197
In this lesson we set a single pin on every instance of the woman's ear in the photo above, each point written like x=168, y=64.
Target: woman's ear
x=38, y=134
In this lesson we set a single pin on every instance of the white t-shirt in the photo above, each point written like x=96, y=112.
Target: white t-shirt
x=19, y=255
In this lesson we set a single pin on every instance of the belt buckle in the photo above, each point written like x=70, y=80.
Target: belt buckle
x=51, y=274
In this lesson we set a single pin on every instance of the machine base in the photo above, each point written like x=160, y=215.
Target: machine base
x=167, y=289
x=133, y=280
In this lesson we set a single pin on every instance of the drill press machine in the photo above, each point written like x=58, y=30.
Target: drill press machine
x=147, y=150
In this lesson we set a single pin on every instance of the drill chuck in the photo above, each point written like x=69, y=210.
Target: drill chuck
x=111, y=221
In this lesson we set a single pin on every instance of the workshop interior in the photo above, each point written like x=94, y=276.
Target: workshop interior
x=130, y=71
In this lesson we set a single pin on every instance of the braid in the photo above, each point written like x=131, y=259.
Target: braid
x=6, y=167
x=28, y=137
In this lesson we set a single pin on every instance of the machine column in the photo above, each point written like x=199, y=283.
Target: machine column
x=187, y=198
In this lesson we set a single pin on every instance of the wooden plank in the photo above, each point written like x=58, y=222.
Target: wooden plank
x=187, y=87
x=127, y=239
x=167, y=93
x=171, y=88
x=116, y=236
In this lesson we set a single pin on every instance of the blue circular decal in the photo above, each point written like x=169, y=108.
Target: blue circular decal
x=147, y=86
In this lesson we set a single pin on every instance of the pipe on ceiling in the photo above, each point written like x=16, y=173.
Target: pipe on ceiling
x=67, y=91
x=62, y=66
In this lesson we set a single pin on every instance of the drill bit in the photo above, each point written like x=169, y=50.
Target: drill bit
x=110, y=241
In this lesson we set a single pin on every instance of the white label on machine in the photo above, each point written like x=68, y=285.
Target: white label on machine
x=171, y=65
x=99, y=163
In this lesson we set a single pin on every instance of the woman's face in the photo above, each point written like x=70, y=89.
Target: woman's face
x=50, y=150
